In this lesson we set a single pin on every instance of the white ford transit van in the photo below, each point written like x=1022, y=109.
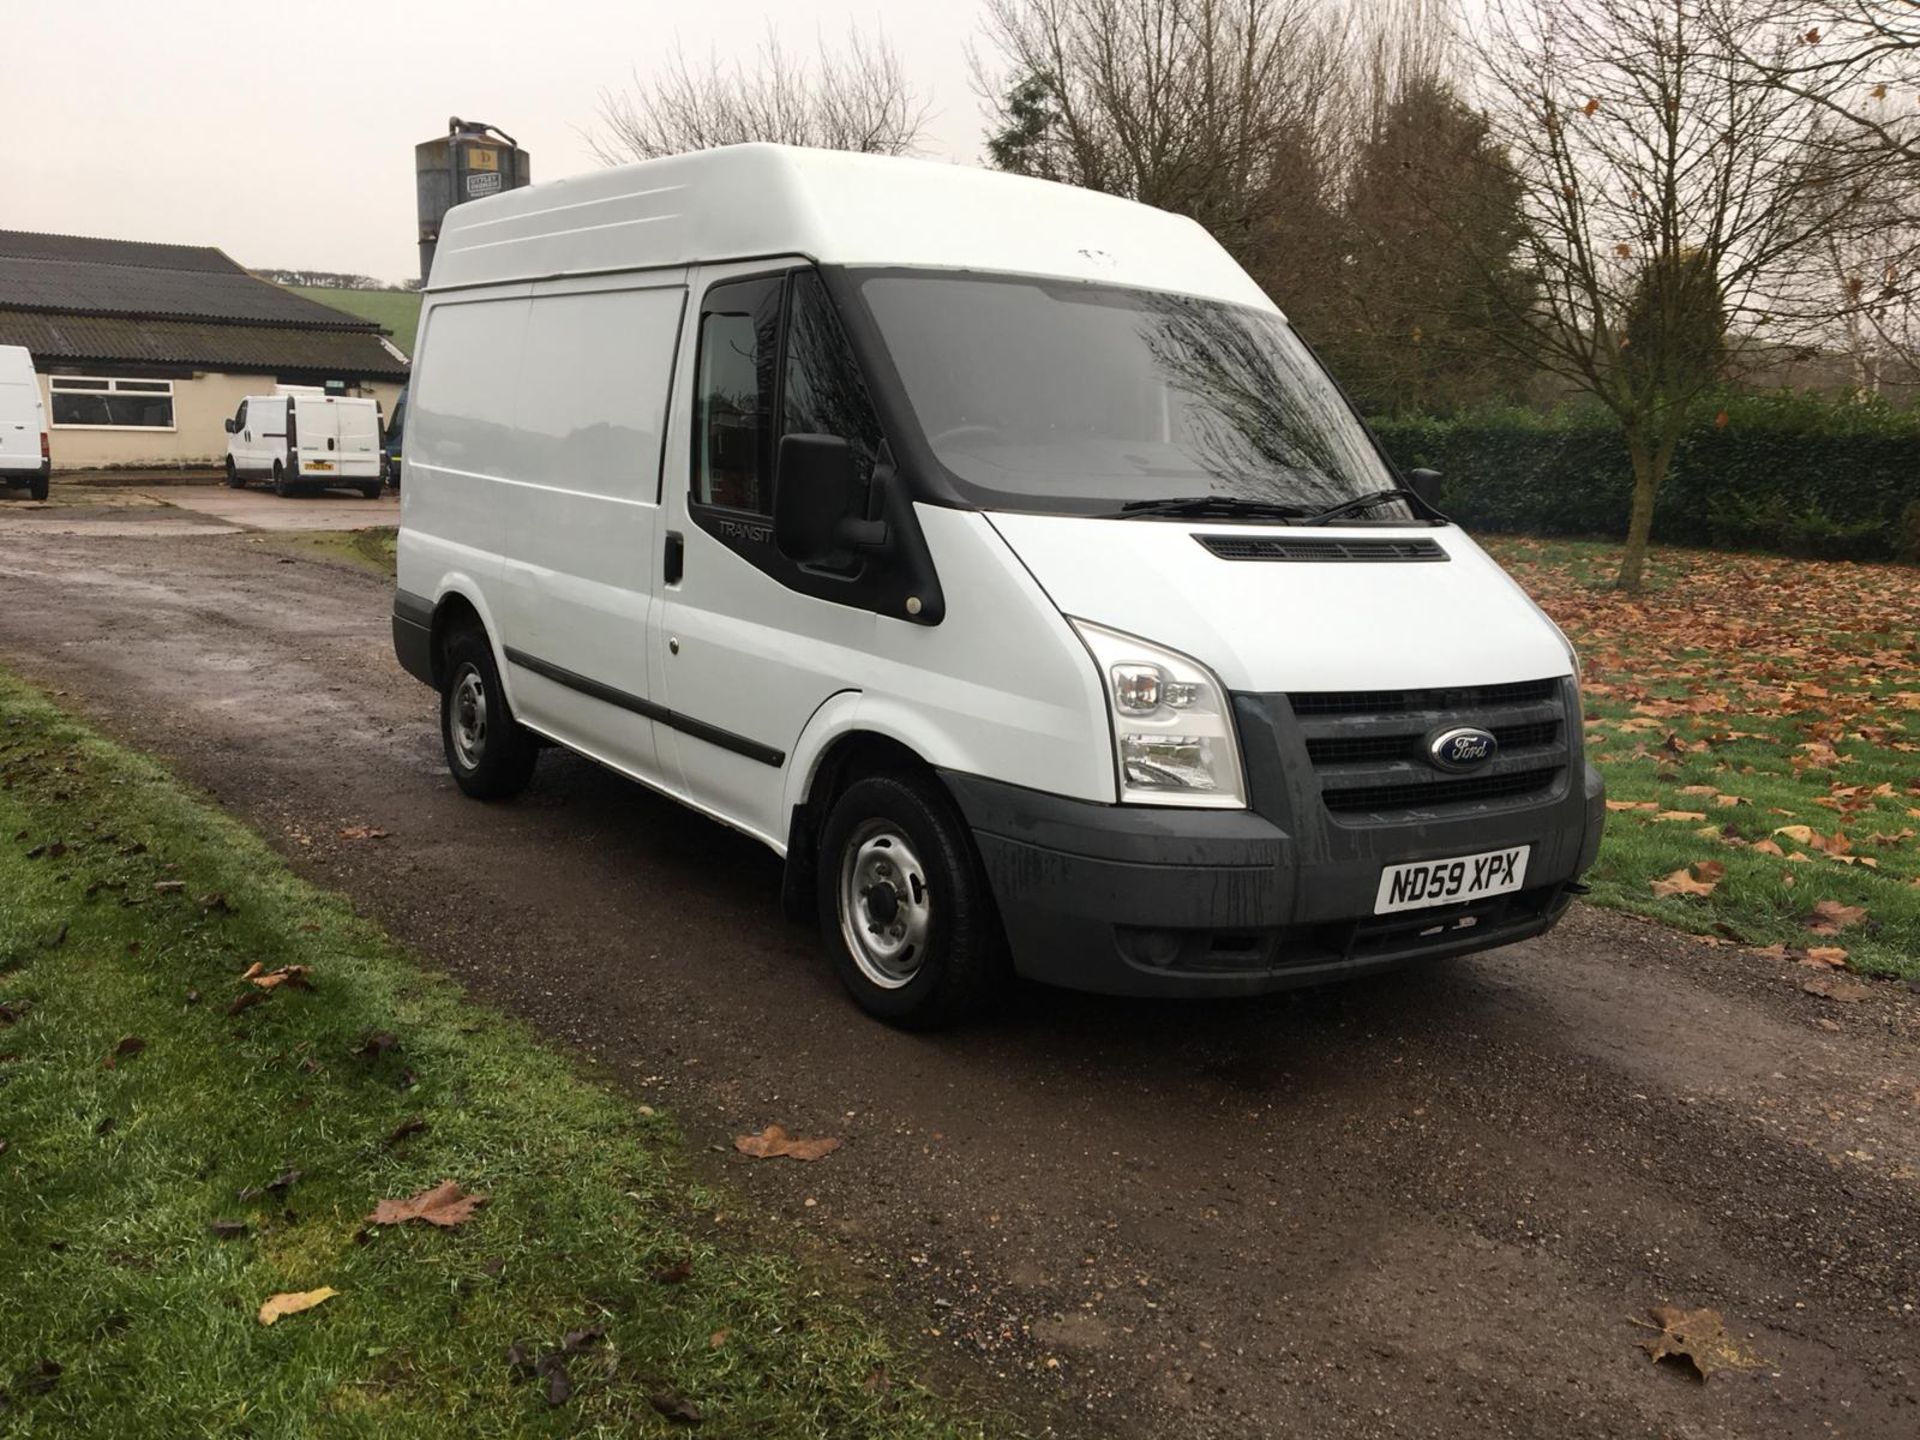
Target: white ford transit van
x=994, y=552
x=303, y=439
x=24, y=459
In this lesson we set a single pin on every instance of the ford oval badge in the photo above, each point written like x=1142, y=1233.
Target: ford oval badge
x=1465, y=748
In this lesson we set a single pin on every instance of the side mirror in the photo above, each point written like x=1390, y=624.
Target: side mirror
x=230, y=425
x=815, y=503
x=1425, y=484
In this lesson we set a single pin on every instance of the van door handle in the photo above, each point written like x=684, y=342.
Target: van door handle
x=676, y=561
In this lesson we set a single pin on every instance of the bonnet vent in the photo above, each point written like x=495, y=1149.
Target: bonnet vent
x=1322, y=548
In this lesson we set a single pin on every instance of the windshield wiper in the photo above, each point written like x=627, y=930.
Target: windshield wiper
x=1358, y=502
x=1209, y=505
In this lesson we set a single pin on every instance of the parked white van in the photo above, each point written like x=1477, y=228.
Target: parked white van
x=24, y=458
x=994, y=552
x=302, y=438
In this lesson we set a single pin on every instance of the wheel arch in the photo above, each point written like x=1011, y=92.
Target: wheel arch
x=845, y=738
x=460, y=604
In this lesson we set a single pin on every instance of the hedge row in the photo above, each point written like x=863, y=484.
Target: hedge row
x=1796, y=474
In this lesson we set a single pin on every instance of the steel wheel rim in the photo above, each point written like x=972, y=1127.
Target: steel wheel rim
x=467, y=719
x=886, y=905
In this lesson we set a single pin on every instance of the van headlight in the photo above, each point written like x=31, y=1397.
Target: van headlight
x=1172, y=724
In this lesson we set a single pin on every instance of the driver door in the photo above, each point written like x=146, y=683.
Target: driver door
x=747, y=657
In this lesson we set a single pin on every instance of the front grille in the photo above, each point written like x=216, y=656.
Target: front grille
x=1335, y=749
x=1369, y=748
x=1440, y=792
x=1320, y=548
x=1380, y=702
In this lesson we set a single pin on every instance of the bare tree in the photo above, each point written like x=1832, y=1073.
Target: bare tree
x=854, y=99
x=1212, y=108
x=1859, y=60
x=1675, y=205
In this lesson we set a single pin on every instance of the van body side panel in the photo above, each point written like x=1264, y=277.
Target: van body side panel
x=580, y=522
x=461, y=440
x=1000, y=687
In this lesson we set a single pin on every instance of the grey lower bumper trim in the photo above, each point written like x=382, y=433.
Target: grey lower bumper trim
x=1144, y=901
x=413, y=636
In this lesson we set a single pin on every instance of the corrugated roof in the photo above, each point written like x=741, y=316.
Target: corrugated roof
x=36, y=245
x=83, y=275
x=66, y=339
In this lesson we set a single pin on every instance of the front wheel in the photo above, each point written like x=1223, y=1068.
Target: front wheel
x=905, y=911
x=234, y=482
x=371, y=491
x=490, y=753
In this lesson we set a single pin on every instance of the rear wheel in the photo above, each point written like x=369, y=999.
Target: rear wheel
x=37, y=487
x=234, y=482
x=371, y=491
x=490, y=753
x=280, y=485
x=905, y=911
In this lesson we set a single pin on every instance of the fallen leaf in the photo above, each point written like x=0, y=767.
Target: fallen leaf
x=578, y=1340
x=1697, y=879
x=227, y=1229
x=559, y=1383
x=1767, y=847
x=414, y=1125
x=445, y=1205
x=774, y=1140
x=246, y=1001
x=1698, y=1339
x=293, y=1302
x=675, y=1406
x=1633, y=804
x=362, y=832
x=1830, y=917
x=129, y=1045
x=1841, y=989
x=1827, y=955
x=675, y=1274
x=717, y=1339
x=1681, y=815
x=168, y=887
x=297, y=976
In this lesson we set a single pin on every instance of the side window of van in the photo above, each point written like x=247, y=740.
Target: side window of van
x=733, y=399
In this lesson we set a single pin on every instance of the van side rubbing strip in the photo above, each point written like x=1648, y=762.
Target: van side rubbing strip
x=686, y=724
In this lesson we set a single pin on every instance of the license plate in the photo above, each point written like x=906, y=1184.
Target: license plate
x=318, y=465
x=1444, y=882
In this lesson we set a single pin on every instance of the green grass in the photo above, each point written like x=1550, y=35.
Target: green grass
x=1756, y=695
x=129, y=907
x=397, y=310
x=370, y=549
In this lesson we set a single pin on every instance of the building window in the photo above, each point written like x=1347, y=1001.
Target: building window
x=85, y=402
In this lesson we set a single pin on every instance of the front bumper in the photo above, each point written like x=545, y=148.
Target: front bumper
x=1133, y=900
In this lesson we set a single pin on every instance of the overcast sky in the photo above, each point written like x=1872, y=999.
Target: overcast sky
x=285, y=134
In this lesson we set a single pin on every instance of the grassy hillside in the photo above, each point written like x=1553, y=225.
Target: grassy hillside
x=397, y=310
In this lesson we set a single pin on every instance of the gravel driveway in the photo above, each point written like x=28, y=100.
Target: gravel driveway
x=1433, y=1204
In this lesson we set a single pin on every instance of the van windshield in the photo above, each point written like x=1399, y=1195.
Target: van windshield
x=1061, y=396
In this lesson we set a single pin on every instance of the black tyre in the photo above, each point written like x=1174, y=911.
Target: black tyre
x=38, y=486
x=280, y=485
x=234, y=482
x=905, y=911
x=490, y=753
x=371, y=491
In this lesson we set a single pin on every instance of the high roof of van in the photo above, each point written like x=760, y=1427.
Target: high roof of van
x=763, y=201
